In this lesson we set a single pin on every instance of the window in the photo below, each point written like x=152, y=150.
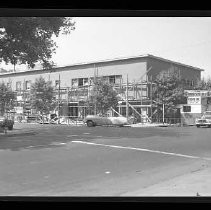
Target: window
x=192, y=83
x=28, y=85
x=18, y=85
x=91, y=80
x=186, y=108
x=56, y=83
x=74, y=82
x=118, y=79
x=105, y=78
x=112, y=79
x=8, y=85
x=80, y=82
x=86, y=81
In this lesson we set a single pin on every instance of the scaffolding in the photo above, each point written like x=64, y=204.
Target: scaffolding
x=72, y=101
x=135, y=100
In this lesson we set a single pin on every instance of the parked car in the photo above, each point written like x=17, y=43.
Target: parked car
x=94, y=120
x=6, y=123
x=205, y=120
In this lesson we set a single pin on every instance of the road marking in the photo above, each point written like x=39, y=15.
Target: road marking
x=57, y=143
x=71, y=135
x=142, y=149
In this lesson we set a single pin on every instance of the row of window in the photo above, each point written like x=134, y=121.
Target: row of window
x=188, y=82
x=78, y=82
x=27, y=85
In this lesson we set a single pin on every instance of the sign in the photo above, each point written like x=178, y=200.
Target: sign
x=199, y=93
x=194, y=100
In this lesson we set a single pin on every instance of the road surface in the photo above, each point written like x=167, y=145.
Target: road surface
x=60, y=160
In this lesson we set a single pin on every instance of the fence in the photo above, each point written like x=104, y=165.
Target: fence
x=168, y=120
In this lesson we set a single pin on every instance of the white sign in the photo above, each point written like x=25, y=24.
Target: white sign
x=192, y=93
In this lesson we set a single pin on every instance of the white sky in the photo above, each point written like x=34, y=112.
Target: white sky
x=182, y=39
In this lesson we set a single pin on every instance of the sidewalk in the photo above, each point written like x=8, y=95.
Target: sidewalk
x=196, y=183
x=149, y=125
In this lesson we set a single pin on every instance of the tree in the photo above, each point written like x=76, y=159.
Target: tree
x=27, y=40
x=168, y=90
x=7, y=98
x=203, y=84
x=42, y=96
x=102, y=97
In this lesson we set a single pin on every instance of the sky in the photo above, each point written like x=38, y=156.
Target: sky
x=181, y=39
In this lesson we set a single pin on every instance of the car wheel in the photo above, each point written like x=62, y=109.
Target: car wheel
x=198, y=126
x=90, y=123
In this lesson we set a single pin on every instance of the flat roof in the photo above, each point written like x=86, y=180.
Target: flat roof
x=102, y=61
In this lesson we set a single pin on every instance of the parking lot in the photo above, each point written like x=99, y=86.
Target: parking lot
x=81, y=161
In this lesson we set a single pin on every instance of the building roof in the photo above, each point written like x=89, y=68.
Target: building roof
x=104, y=61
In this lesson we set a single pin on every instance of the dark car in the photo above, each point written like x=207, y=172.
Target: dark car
x=6, y=123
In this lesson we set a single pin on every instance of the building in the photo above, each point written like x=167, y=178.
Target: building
x=72, y=83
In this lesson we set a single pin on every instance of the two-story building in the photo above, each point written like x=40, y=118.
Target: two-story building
x=72, y=83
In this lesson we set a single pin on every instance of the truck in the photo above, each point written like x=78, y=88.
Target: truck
x=205, y=120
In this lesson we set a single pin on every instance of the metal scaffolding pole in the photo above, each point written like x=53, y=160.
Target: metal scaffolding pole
x=59, y=101
x=127, y=105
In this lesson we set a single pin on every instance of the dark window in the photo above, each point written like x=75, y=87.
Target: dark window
x=186, y=108
x=192, y=83
x=80, y=82
x=112, y=79
x=28, y=85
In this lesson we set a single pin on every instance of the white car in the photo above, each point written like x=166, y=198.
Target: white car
x=205, y=120
x=94, y=120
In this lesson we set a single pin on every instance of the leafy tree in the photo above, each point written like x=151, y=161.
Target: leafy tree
x=7, y=98
x=102, y=97
x=168, y=90
x=203, y=84
x=42, y=96
x=27, y=40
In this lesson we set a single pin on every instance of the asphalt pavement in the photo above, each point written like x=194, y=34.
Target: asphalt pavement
x=60, y=160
